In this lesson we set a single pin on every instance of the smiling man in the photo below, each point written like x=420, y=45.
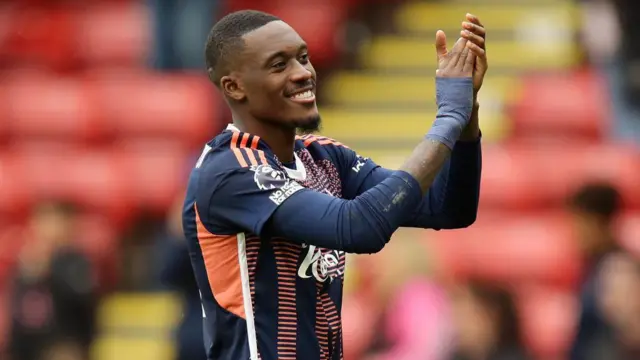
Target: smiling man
x=269, y=216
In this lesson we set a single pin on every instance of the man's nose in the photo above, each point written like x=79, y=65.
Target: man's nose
x=300, y=73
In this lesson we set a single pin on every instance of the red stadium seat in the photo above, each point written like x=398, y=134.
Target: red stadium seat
x=572, y=104
x=510, y=249
x=145, y=105
x=13, y=194
x=155, y=173
x=43, y=106
x=38, y=34
x=114, y=33
x=88, y=177
x=523, y=176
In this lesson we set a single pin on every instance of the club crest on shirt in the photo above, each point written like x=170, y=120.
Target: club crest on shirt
x=268, y=178
x=322, y=264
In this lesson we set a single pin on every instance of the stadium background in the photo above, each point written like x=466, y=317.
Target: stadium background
x=93, y=111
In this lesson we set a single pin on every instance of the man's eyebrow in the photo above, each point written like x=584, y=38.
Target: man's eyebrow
x=275, y=55
x=282, y=53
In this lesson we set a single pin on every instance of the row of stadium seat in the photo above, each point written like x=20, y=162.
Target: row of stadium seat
x=139, y=103
x=71, y=35
x=117, y=103
x=131, y=176
x=147, y=174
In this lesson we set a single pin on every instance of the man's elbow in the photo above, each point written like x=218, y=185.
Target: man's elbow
x=467, y=220
x=367, y=242
x=461, y=221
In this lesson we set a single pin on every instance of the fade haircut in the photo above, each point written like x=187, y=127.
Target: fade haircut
x=225, y=40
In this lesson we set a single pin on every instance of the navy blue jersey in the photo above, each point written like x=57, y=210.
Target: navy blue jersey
x=266, y=297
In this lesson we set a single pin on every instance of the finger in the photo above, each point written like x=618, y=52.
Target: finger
x=455, y=52
x=476, y=39
x=441, y=45
x=480, y=55
x=470, y=61
x=476, y=29
x=474, y=19
x=477, y=51
x=464, y=55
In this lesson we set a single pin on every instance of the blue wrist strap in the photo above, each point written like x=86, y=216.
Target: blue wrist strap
x=454, y=97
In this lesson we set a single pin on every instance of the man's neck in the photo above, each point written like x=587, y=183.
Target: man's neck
x=281, y=140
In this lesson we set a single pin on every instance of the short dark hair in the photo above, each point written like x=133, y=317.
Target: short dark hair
x=225, y=39
x=597, y=198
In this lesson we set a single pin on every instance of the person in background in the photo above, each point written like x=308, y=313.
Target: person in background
x=487, y=326
x=414, y=320
x=594, y=208
x=54, y=288
x=177, y=274
x=181, y=27
x=618, y=298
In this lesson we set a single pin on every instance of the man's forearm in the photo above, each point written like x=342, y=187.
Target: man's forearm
x=472, y=131
x=426, y=161
x=455, y=110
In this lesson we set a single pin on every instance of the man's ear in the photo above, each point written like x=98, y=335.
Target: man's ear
x=232, y=88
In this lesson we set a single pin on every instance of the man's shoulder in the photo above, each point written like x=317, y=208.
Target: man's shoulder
x=311, y=141
x=232, y=151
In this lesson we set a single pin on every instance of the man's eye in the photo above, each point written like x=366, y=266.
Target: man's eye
x=304, y=58
x=279, y=65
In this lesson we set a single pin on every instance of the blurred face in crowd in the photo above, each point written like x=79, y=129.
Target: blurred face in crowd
x=52, y=224
x=594, y=207
x=275, y=79
x=619, y=292
x=592, y=230
x=474, y=322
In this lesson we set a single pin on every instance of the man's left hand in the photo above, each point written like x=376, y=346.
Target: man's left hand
x=474, y=31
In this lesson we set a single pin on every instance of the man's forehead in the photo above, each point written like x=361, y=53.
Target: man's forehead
x=271, y=38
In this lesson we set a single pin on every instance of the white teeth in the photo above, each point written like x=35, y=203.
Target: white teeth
x=305, y=95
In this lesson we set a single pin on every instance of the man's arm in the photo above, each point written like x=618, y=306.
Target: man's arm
x=263, y=201
x=365, y=224
x=452, y=200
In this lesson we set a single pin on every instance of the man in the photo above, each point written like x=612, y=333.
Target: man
x=54, y=291
x=269, y=216
x=594, y=209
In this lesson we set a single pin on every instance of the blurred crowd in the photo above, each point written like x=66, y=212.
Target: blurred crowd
x=403, y=303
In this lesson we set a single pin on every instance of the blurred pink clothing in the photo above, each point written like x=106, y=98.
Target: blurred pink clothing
x=419, y=323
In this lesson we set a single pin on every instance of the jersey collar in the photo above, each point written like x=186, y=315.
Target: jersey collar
x=299, y=173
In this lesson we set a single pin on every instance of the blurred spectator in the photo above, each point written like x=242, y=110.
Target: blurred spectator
x=54, y=288
x=594, y=208
x=63, y=350
x=618, y=286
x=609, y=36
x=181, y=30
x=601, y=34
x=412, y=311
x=487, y=324
x=177, y=274
x=629, y=18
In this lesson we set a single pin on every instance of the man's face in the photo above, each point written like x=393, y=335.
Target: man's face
x=619, y=290
x=276, y=79
x=592, y=231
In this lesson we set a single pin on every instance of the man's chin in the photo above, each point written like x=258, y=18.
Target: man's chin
x=308, y=125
